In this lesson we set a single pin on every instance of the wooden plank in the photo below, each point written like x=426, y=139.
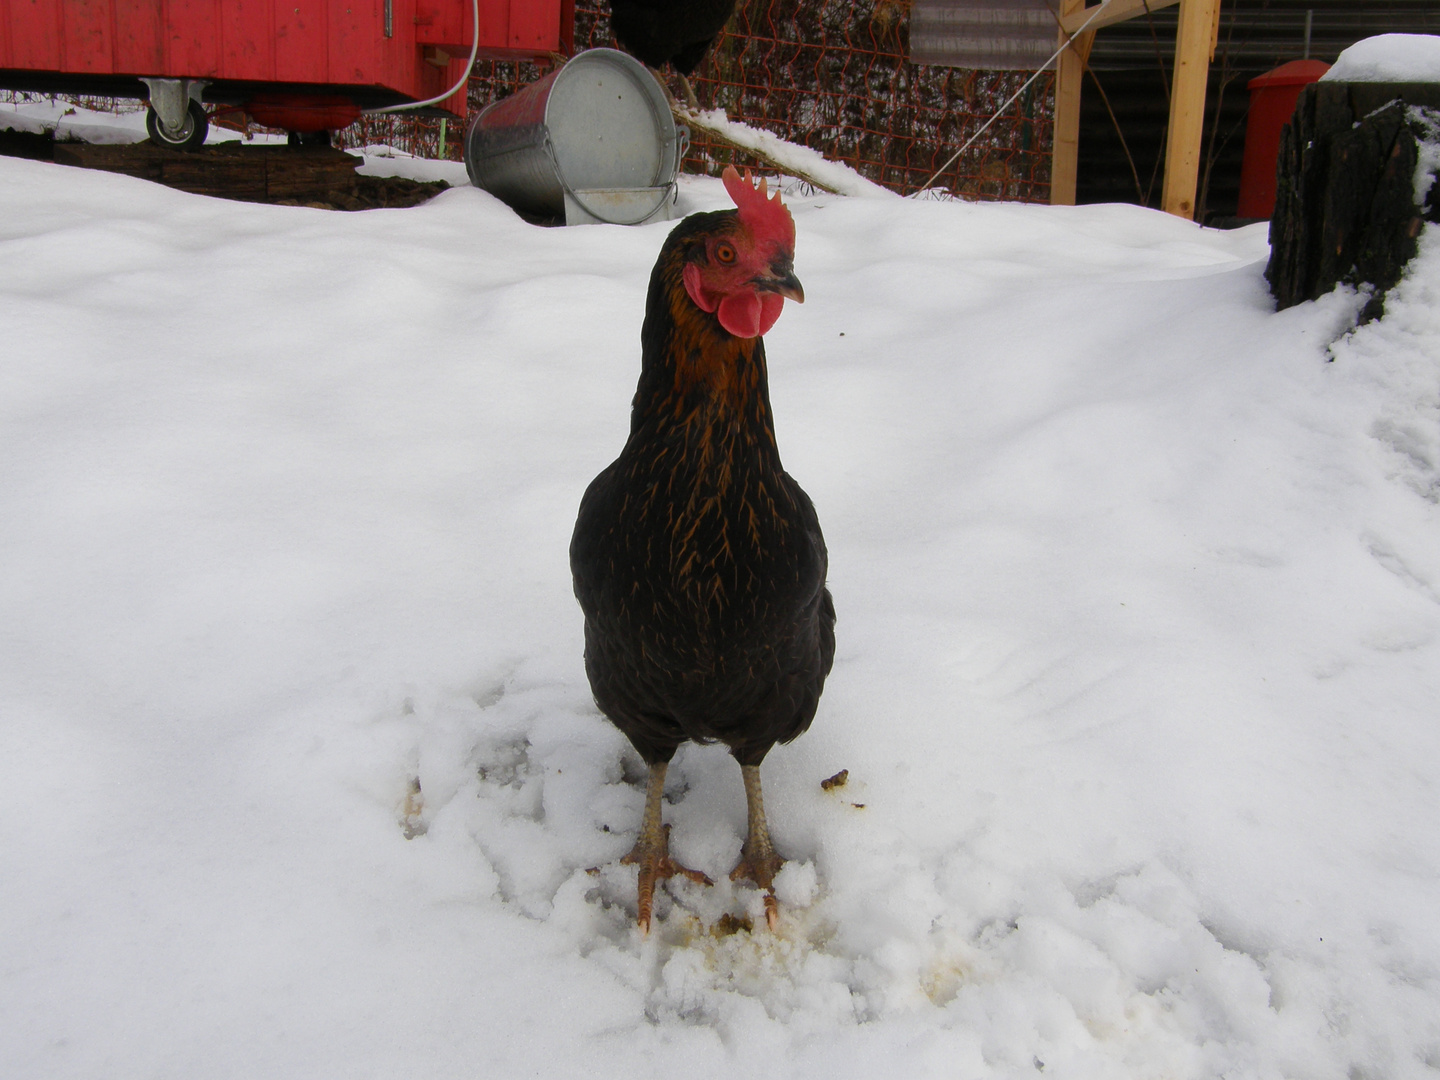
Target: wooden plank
x=1193, y=51
x=458, y=102
x=401, y=55
x=567, y=27
x=1069, y=72
x=535, y=27
x=86, y=42
x=494, y=23
x=247, y=40
x=192, y=39
x=301, y=54
x=352, y=46
x=444, y=23
x=35, y=35
x=139, y=38
x=1118, y=11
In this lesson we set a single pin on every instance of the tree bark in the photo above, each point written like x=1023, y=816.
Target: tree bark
x=1345, y=207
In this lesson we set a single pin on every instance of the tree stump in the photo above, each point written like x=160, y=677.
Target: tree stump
x=1345, y=205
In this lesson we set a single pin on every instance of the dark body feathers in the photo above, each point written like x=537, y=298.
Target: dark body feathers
x=677, y=32
x=698, y=562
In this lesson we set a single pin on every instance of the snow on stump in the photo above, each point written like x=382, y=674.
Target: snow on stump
x=1353, y=188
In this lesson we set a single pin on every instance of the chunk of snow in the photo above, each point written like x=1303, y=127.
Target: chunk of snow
x=1389, y=58
x=1427, y=164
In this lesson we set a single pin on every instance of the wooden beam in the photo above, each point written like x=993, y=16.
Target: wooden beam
x=1194, y=49
x=1072, y=17
x=1069, y=72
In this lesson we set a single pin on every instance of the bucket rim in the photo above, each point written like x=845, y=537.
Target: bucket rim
x=667, y=193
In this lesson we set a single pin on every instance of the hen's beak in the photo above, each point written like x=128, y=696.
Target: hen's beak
x=782, y=280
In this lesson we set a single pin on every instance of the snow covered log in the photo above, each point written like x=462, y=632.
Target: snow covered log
x=1349, y=203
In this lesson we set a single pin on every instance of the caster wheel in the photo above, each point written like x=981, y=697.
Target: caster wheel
x=190, y=136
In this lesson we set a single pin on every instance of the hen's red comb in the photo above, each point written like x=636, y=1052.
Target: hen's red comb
x=762, y=215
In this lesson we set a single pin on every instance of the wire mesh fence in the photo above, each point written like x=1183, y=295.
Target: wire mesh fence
x=833, y=75
x=422, y=136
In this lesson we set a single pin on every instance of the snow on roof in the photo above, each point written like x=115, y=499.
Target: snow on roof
x=1389, y=58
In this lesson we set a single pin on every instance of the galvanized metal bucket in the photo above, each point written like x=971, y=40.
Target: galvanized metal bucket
x=593, y=141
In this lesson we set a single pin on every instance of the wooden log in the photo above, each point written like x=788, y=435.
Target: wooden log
x=1345, y=207
x=719, y=135
x=318, y=177
x=231, y=177
x=289, y=174
x=108, y=158
x=228, y=171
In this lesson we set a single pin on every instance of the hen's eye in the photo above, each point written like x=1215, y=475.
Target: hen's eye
x=724, y=252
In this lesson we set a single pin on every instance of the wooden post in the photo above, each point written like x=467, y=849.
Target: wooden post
x=1194, y=49
x=1069, y=71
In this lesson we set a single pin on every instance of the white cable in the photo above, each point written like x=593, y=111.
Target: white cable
x=465, y=78
x=1069, y=40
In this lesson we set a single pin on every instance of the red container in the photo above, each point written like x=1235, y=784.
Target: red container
x=371, y=53
x=1272, y=103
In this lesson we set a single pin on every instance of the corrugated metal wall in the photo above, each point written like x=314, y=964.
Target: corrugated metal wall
x=993, y=35
x=1133, y=61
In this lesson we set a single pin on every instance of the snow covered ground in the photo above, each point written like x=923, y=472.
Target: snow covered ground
x=72, y=122
x=1139, y=595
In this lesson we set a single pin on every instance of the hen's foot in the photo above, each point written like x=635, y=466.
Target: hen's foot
x=760, y=869
x=655, y=865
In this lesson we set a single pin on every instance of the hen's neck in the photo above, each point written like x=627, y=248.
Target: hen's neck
x=702, y=386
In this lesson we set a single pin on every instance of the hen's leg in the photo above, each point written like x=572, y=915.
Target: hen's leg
x=664, y=86
x=690, y=98
x=758, y=861
x=652, y=848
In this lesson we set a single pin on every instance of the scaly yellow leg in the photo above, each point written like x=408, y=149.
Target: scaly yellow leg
x=758, y=861
x=652, y=848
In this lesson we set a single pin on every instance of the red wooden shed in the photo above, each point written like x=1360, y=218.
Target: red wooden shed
x=304, y=65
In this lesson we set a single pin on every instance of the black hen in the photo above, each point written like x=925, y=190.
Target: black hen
x=697, y=560
x=674, y=32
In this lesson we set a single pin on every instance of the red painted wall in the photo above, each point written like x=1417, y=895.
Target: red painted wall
x=331, y=42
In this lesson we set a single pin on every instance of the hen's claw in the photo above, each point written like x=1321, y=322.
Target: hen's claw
x=655, y=865
x=761, y=870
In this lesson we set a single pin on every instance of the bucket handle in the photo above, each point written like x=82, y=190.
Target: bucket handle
x=671, y=193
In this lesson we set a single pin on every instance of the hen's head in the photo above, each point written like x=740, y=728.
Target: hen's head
x=744, y=270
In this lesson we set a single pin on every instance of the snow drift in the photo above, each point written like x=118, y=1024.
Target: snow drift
x=1139, y=636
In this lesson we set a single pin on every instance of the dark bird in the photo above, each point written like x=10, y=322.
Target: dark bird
x=697, y=560
x=674, y=32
